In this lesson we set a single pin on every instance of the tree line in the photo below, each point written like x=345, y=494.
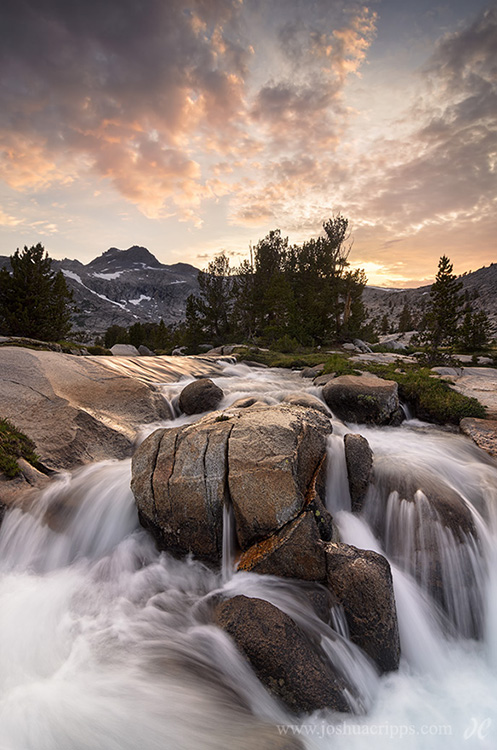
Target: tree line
x=286, y=294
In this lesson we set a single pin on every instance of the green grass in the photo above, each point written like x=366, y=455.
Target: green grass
x=340, y=364
x=429, y=398
x=280, y=359
x=14, y=445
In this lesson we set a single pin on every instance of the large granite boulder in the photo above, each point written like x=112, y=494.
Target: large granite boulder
x=364, y=399
x=287, y=662
x=75, y=409
x=362, y=582
x=359, y=461
x=199, y=396
x=267, y=462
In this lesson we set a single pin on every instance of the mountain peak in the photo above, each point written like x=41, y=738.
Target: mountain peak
x=134, y=256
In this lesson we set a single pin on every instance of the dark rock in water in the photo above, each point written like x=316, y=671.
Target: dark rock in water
x=323, y=379
x=245, y=403
x=294, y=552
x=359, y=460
x=362, y=582
x=284, y=658
x=267, y=462
x=144, y=351
x=364, y=399
x=199, y=396
x=312, y=372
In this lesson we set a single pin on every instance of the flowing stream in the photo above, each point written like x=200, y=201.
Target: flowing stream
x=106, y=644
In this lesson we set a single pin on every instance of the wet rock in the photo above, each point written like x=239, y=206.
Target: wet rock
x=252, y=363
x=362, y=582
x=246, y=403
x=364, y=399
x=307, y=400
x=312, y=372
x=288, y=663
x=267, y=462
x=179, y=481
x=359, y=460
x=199, y=396
x=274, y=455
x=294, y=552
x=482, y=431
x=323, y=379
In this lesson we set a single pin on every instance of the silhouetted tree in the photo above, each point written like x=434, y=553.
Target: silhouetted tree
x=445, y=307
x=34, y=299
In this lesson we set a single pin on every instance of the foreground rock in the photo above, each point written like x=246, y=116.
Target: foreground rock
x=359, y=461
x=74, y=410
x=287, y=662
x=363, y=399
x=362, y=582
x=483, y=432
x=199, y=396
x=297, y=550
x=265, y=461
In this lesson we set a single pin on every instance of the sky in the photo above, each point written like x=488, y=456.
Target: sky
x=195, y=127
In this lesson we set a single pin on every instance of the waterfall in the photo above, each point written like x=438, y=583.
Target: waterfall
x=107, y=644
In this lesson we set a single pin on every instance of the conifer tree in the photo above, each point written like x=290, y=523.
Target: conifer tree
x=34, y=300
x=445, y=307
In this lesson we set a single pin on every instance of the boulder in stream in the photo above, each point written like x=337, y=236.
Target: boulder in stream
x=362, y=582
x=359, y=461
x=199, y=396
x=266, y=462
x=285, y=659
x=363, y=399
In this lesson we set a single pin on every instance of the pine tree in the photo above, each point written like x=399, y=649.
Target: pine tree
x=34, y=300
x=445, y=307
x=474, y=335
x=405, y=320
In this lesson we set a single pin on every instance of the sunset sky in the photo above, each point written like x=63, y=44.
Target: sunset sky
x=196, y=126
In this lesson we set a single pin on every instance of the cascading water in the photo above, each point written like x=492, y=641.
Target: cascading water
x=105, y=644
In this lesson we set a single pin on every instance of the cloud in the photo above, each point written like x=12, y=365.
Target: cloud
x=117, y=87
x=143, y=93
x=444, y=171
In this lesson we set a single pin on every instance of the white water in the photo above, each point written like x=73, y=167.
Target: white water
x=105, y=644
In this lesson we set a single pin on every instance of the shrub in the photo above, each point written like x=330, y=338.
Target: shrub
x=430, y=399
x=14, y=445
